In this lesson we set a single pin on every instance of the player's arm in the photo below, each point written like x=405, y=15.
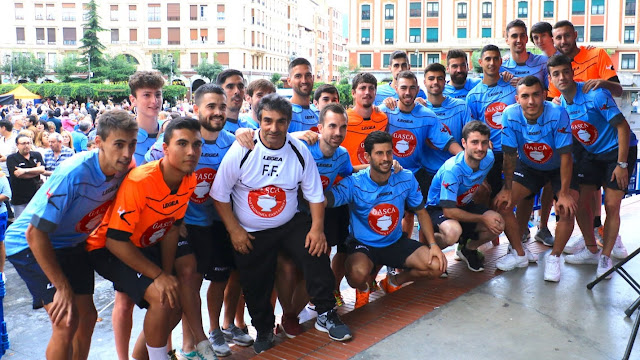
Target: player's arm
x=566, y=203
x=619, y=174
x=168, y=247
x=503, y=198
x=316, y=241
x=240, y=238
x=427, y=229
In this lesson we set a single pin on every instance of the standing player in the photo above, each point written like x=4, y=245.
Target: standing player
x=325, y=94
x=232, y=81
x=255, y=91
x=542, y=37
x=398, y=61
x=458, y=68
x=301, y=81
x=146, y=100
x=46, y=244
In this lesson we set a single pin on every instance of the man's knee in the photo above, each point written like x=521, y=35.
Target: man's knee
x=358, y=268
x=451, y=230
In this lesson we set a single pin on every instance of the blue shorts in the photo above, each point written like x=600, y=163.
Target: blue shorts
x=3, y=225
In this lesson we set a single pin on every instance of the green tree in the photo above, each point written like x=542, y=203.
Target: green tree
x=475, y=65
x=275, y=78
x=24, y=66
x=165, y=64
x=67, y=67
x=115, y=69
x=209, y=70
x=91, y=46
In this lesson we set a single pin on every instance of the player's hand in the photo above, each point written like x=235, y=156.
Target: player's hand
x=494, y=222
x=436, y=252
x=502, y=200
x=183, y=231
x=592, y=84
x=316, y=242
x=420, y=101
x=310, y=137
x=396, y=166
x=244, y=136
x=507, y=76
x=62, y=306
x=241, y=240
x=390, y=103
x=621, y=176
x=566, y=204
x=556, y=100
x=167, y=285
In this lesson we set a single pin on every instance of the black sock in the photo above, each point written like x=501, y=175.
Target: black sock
x=597, y=222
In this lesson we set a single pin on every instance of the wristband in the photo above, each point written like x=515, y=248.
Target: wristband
x=431, y=244
x=157, y=276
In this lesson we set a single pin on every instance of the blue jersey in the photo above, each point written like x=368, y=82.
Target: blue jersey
x=386, y=91
x=460, y=93
x=413, y=135
x=330, y=167
x=535, y=65
x=593, y=117
x=486, y=103
x=248, y=119
x=376, y=211
x=539, y=145
x=69, y=206
x=315, y=110
x=453, y=114
x=232, y=125
x=145, y=141
x=303, y=118
x=455, y=182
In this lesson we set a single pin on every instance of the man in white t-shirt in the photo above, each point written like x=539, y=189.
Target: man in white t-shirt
x=263, y=184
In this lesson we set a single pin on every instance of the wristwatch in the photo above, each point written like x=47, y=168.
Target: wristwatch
x=623, y=165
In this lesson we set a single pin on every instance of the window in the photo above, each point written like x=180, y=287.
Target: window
x=115, y=36
x=154, y=36
x=365, y=60
x=50, y=12
x=193, y=12
x=577, y=7
x=433, y=8
x=39, y=11
x=221, y=36
x=414, y=35
x=523, y=10
x=20, y=35
x=432, y=35
x=415, y=9
x=194, y=60
x=51, y=60
x=629, y=7
x=133, y=13
x=68, y=36
x=366, y=14
x=68, y=12
x=51, y=36
x=629, y=34
x=628, y=62
x=366, y=37
x=486, y=33
x=154, y=12
x=173, y=12
x=388, y=12
x=388, y=36
x=19, y=11
x=487, y=10
x=462, y=33
x=386, y=58
x=580, y=31
x=40, y=36
x=415, y=60
x=597, y=7
x=220, y=8
x=433, y=58
x=548, y=9
x=462, y=10
x=173, y=36
x=203, y=12
x=204, y=35
x=133, y=36
x=597, y=34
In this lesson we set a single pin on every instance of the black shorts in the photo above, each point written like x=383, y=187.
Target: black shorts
x=494, y=177
x=212, y=248
x=424, y=181
x=75, y=266
x=534, y=179
x=124, y=278
x=394, y=255
x=596, y=169
x=468, y=228
x=336, y=227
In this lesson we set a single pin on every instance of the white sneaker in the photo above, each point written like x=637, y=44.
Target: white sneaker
x=552, y=268
x=205, y=351
x=604, y=265
x=574, y=245
x=309, y=312
x=511, y=261
x=531, y=257
x=619, y=251
x=583, y=256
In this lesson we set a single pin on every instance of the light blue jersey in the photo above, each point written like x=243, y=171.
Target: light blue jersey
x=486, y=103
x=69, y=206
x=376, y=211
x=330, y=167
x=593, y=118
x=232, y=125
x=539, y=145
x=386, y=91
x=413, y=135
x=461, y=92
x=455, y=182
x=303, y=118
x=453, y=114
x=535, y=65
x=248, y=119
x=145, y=141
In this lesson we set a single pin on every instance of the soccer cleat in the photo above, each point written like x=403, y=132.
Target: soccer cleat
x=619, y=251
x=219, y=344
x=471, y=257
x=235, y=335
x=338, y=297
x=205, y=351
x=574, y=245
x=544, y=236
x=264, y=342
x=388, y=288
x=552, y=268
x=362, y=298
x=511, y=261
x=331, y=323
x=583, y=256
x=604, y=265
x=290, y=325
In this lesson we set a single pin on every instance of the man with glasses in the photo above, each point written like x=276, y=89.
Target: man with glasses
x=25, y=168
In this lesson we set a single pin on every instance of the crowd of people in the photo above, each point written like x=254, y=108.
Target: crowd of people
x=156, y=201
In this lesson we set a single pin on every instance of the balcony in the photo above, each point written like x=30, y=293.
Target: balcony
x=173, y=42
x=69, y=42
x=39, y=42
x=39, y=17
x=19, y=17
x=20, y=42
x=51, y=17
x=68, y=18
x=154, y=41
x=153, y=18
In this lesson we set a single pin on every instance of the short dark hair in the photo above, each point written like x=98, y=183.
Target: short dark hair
x=274, y=102
x=398, y=54
x=541, y=28
x=456, y=54
x=6, y=124
x=516, y=23
x=376, y=137
x=32, y=119
x=179, y=124
x=325, y=88
x=84, y=125
x=145, y=79
x=489, y=47
x=529, y=81
x=209, y=88
x=260, y=84
x=407, y=74
x=334, y=108
x=563, y=23
x=436, y=67
x=113, y=120
x=51, y=113
x=558, y=60
x=475, y=126
x=20, y=136
x=298, y=61
x=364, y=77
x=43, y=122
x=225, y=74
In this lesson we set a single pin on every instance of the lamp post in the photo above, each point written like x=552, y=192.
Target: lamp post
x=89, y=63
x=171, y=70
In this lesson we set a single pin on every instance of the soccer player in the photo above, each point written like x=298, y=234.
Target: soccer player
x=264, y=184
x=542, y=37
x=232, y=81
x=146, y=99
x=325, y=94
x=301, y=81
x=458, y=68
x=598, y=125
x=536, y=140
x=46, y=244
x=255, y=91
x=398, y=61
x=450, y=205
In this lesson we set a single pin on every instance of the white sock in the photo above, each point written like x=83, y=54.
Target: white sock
x=157, y=353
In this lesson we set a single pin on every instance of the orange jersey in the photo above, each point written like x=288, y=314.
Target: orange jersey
x=358, y=129
x=587, y=65
x=144, y=208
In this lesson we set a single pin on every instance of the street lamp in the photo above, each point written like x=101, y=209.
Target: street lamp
x=89, y=63
x=10, y=61
x=171, y=70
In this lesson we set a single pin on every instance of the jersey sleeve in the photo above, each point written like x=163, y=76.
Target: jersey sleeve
x=228, y=173
x=415, y=201
x=127, y=206
x=605, y=66
x=508, y=135
x=470, y=105
x=563, y=137
x=347, y=168
x=449, y=190
x=311, y=183
x=60, y=193
x=439, y=136
x=340, y=194
x=607, y=107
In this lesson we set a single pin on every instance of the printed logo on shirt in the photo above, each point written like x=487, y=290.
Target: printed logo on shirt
x=445, y=129
x=156, y=232
x=315, y=129
x=467, y=196
x=384, y=218
x=91, y=221
x=539, y=153
x=493, y=115
x=404, y=143
x=360, y=154
x=584, y=132
x=204, y=180
x=268, y=201
x=325, y=182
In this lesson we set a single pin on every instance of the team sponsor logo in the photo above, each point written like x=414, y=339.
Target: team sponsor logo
x=467, y=196
x=315, y=129
x=539, y=153
x=325, y=182
x=384, y=218
x=404, y=143
x=204, y=180
x=493, y=115
x=586, y=133
x=360, y=154
x=268, y=201
x=156, y=232
x=91, y=221
x=445, y=129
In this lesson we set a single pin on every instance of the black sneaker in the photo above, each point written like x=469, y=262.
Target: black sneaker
x=330, y=323
x=471, y=257
x=264, y=342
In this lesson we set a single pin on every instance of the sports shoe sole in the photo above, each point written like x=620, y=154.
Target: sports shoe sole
x=462, y=257
x=324, y=330
x=540, y=239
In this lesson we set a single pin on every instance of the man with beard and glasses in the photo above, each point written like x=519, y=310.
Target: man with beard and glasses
x=232, y=82
x=458, y=67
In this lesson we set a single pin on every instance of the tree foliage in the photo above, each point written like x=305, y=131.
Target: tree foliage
x=94, y=91
x=115, y=69
x=67, y=67
x=165, y=63
x=91, y=45
x=275, y=78
x=209, y=70
x=24, y=66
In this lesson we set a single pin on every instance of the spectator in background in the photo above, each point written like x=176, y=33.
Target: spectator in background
x=5, y=196
x=91, y=144
x=41, y=126
x=18, y=123
x=68, y=123
x=32, y=121
x=31, y=136
x=51, y=126
x=42, y=142
x=79, y=136
x=66, y=140
x=25, y=168
x=51, y=117
x=7, y=143
x=56, y=153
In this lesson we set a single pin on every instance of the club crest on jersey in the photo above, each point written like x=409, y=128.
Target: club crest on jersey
x=325, y=182
x=584, y=132
x=156, y=232
x=384, y=218
x=404, y=143
x=538, y=153
x=268, y=201
x=360, y=154
x=89, y=222
x=467, y=196
x=445, y=129
x=493, y=115
x=204, y=180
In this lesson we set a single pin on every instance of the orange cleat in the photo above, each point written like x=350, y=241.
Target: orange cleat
x=362, y=298
x=387, y=287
